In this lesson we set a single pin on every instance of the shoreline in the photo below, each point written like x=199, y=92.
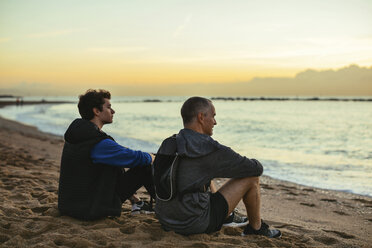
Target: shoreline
x=61, y=136
x=29, y=165
x=21, y=103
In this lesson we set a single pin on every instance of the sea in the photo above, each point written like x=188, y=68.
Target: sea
x=320, y=143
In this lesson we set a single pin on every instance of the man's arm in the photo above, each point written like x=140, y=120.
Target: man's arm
x=109, y=152
x=229, y=164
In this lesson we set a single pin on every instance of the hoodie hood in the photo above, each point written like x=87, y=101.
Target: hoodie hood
x=193, y=144
x=81, y=130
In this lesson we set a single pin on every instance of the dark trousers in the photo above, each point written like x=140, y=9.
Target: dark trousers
x=133, y=179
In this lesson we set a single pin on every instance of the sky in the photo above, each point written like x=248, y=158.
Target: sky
x=147, y=47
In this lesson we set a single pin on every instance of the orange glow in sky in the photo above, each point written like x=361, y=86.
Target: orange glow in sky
x=75, y=45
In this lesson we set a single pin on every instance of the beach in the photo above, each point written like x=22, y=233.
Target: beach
x=29, y=171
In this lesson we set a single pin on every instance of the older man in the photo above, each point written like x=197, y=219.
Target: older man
x=195, y=209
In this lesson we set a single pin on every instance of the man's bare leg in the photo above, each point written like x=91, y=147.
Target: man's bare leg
x=133, y=199
x=213, y=187
x=248, y=189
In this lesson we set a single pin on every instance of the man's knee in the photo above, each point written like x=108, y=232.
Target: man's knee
x=253, y=181
x=239, y=186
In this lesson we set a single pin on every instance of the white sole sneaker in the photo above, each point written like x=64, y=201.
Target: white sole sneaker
x=141, y=212
x=233, y=224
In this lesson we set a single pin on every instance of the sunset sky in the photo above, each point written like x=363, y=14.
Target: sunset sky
x=67, y=46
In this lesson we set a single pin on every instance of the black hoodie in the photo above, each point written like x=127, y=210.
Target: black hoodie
x=86, y=190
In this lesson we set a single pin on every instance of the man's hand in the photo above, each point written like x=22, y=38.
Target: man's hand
x=213, y=187
x=152, y=157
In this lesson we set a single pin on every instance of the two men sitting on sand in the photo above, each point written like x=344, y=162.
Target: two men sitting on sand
x=93, y=182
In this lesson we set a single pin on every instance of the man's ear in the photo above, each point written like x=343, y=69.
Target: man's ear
x=96, y=111
x=200, y=117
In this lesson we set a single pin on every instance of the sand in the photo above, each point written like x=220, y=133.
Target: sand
x=29, y=167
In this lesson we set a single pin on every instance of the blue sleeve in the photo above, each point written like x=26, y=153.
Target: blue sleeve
x=109, y=152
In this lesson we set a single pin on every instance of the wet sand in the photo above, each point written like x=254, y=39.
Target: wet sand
x=29, y=167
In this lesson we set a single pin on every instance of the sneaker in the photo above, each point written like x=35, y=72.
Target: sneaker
x=264, y=231
x=142, y=207
x=235, y=220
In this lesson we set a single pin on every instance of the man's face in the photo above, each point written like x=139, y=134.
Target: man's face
x=209, y=121
x=107, y=113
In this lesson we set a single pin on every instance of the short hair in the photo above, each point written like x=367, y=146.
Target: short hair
x=192, y=106
x=92, y=99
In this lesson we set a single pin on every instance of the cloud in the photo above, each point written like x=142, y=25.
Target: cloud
x=116, y=49
x=348, y=81
x=179, y=30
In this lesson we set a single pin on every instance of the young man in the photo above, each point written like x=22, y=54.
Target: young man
x=93, y=183
x=200, y=159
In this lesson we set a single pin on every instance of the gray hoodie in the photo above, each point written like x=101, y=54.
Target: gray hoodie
x=201, y=159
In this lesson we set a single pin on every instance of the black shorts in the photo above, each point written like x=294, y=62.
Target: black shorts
x=218, y=214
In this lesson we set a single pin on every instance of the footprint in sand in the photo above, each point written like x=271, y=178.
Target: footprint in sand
x=292, y=193
x=286, y=187
x=362, y=201
x=291, y=199
x=292, y=227
x=308, y=204
x=265, y=186
x=154, y=230
x=340, y=213
x=149, y=221
x=309, y=190
x=329, y=200
x=326, y=240
x=128, y=229
x=39, y=209
x=340, y=234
